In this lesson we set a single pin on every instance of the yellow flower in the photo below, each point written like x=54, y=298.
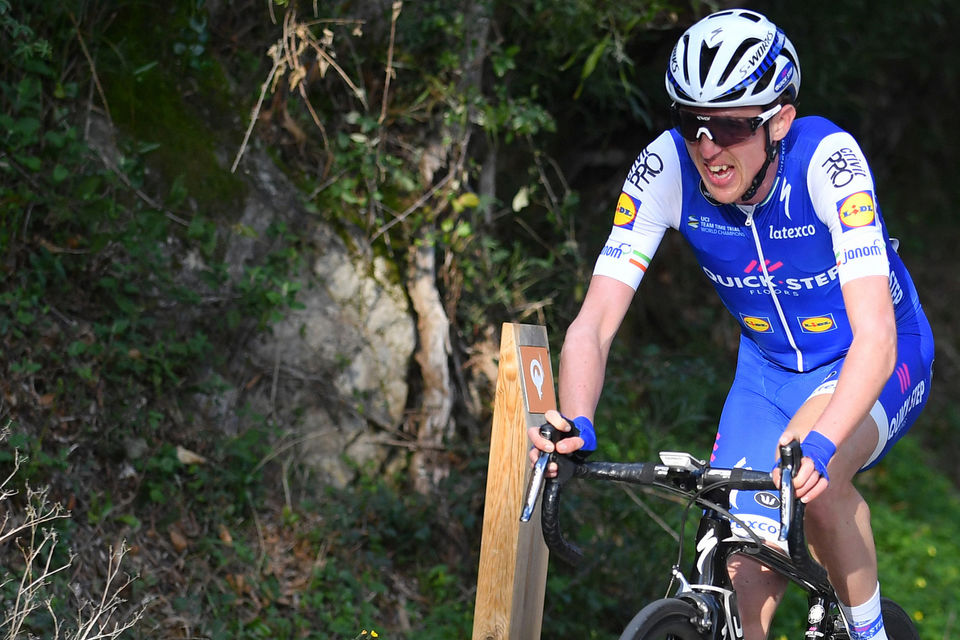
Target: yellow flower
x=920, y=583
x=374, y=634
x=918, y=615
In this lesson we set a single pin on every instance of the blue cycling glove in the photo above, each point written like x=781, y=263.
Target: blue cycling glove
x=586, y=432
x=820, y=449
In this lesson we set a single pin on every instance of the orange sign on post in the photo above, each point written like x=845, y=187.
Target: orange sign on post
x=537, y=379
x=513, y=557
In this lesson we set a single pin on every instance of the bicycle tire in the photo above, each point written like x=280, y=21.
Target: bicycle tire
x=897, y=622
x=666, y=618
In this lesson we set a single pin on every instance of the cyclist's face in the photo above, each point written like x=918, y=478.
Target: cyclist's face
x=728, y=171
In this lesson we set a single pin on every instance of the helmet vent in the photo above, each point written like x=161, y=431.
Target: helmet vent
x=707, y=54
x=730, y=97
x=683, y=95
x=686, y=58
x=765, y=79
x=736, y=58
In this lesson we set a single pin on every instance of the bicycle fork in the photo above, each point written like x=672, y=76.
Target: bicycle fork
x=711, y=593
x=822, y=624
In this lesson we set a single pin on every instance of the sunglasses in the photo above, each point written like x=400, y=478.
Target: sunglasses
x=724, y=131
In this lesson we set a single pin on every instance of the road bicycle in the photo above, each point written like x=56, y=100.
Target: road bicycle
x=704, y=605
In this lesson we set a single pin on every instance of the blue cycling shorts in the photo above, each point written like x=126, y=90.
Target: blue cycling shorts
x=764, y=397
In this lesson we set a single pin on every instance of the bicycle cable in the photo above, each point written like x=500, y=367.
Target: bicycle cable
x=697, y=498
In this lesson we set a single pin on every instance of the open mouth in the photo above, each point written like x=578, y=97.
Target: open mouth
x=719, y=173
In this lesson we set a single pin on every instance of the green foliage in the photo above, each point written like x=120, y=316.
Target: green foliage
x=592, y=57
x=353, y=560
x=116, y=304
x=69, y=216
x=885, y=73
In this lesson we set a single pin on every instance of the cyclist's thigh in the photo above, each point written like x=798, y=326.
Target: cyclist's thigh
x=905, y=394
x=750, y=426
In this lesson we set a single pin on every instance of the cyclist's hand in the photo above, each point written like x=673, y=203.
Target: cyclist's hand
x=808, y=481
x=567, y=445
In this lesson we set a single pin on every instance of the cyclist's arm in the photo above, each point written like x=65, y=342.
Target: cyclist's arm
x=583, y=357
x=650, y=202
x=849, y=210
x=868, y=365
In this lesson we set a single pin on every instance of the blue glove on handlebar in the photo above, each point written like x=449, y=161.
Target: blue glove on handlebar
x=820, y=449
x=587, y=432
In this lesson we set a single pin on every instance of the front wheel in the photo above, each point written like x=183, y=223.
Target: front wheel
x=897, y=622
x=667, y=618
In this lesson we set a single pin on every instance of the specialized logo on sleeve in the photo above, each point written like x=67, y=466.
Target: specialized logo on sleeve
x=856, y=210
x=757, y=323
x=817, y=324
x=626, y=211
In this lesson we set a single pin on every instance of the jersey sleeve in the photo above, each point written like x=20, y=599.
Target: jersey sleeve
x=841, y=188
x=649, y=203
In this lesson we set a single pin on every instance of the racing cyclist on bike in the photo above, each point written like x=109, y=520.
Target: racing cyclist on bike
x=782, y=215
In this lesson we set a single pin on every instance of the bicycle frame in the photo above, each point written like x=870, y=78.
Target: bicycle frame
x=709, y=588
x=715, y=544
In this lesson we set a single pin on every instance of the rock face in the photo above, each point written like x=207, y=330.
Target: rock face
x=339, y=364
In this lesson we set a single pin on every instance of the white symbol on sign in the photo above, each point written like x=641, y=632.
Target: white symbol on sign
x=536, y=374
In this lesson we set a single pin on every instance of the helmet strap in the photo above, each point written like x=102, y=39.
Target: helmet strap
x=772, y=149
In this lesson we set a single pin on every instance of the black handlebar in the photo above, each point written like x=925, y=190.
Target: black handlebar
x=685, y=474
x=639, y=473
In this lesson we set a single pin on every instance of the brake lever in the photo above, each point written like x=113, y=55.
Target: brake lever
x=535, y=486
x=790, y=457
x=538, y=476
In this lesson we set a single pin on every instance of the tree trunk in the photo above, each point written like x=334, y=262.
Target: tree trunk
x=433, y=327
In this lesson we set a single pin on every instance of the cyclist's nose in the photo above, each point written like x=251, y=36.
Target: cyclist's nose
x=708, y=148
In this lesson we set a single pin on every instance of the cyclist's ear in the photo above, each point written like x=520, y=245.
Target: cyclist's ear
x=782, y=122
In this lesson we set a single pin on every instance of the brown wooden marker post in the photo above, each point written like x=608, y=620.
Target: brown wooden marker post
x=513, y=557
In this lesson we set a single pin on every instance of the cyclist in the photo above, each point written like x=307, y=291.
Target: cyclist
x=783, y=218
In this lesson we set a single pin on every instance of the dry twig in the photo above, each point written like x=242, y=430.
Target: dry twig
x=288, y=53
x=37, y=543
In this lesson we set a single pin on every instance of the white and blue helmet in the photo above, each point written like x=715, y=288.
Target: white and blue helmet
x=734, y=58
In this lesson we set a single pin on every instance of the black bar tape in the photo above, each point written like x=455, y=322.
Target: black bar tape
x=550, y=522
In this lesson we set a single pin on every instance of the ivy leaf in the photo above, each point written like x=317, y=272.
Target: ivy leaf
x=465, y=201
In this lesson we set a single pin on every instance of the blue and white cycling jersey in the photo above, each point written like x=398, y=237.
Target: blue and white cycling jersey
x=778, y=265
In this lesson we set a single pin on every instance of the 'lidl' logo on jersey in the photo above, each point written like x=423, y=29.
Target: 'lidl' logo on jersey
x=758, y=324
x=626, y=211
x=856, y=210
x=817, y=324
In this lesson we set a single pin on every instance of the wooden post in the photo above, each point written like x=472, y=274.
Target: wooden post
x=513, y=557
